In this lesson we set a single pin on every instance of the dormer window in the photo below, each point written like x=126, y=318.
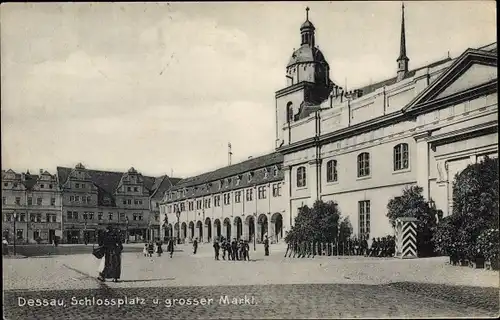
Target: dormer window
x=266, y=173
x=228, y=182
x=275, y=171
x=250, y=176
x=238, y=179
x=221, y=183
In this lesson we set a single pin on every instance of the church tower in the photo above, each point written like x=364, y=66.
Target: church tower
x=402, y=59
x=308, y=81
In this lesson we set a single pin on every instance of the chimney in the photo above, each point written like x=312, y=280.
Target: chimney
x=41, y=171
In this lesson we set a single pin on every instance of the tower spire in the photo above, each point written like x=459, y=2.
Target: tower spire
x=307, y=31
x=307, y=13
x=402, y=59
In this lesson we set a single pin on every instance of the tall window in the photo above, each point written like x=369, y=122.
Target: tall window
x=227, y=198
x=331, y=171
x=401, y=157
x=363, y=164
x=289, y=112
x=217, y=201
x=237, y=197
x=277, y=189
x=249, y=194
x=30, y=201
x=301, y=177
x=364, y=217
x=110, y=216
x=262, y=192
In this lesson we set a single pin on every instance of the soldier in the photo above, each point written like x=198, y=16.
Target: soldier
x=216, y=248
x=266, y=246
x=295, y=248
x=234, y=249
x=392, y=246
x=223, y=246
x=364, y=246
x=241, y=250
x=229, y=250
x=170, y=247
x=195, y=245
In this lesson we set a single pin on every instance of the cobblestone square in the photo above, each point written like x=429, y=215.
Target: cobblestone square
x=276, y=287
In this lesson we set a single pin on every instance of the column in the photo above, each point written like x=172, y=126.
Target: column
x=422, y=162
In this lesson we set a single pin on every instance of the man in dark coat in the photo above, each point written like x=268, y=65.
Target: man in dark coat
x=223, y=246
x=234, y=249
x=216, y=249
x=195, y=245
x=266, y=246
x=170, y=247
x=229, y=250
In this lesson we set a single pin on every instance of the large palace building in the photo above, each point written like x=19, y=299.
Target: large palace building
x=358, y=148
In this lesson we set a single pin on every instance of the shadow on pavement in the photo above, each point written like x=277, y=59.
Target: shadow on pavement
x=146, y=280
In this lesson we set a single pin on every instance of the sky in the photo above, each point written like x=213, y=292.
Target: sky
x=164, y=87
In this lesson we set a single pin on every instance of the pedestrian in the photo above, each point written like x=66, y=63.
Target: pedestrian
x=145, y=250
x=111, y=263
x=266, y=246
x=234, y=249
x=5, y=246
x=224, y=248
x=229, y=249
x=151, y=249
x=159, y=249
x=216, y=249
x=195, y=245
x=247, y=250
x=170, y=247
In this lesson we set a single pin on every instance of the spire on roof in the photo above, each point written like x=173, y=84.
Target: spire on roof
x=402, y=59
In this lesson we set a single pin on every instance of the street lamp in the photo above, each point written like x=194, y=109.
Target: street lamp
x=15, y=218
x=178, y=214
x=85, y=230
x=254, y=230
x=126, y=230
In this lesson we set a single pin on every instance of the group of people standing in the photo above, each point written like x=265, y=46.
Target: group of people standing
x=235, y=250
x=156, y=247
x=379, y=247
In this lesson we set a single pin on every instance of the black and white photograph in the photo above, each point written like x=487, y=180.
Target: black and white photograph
x=249, y=160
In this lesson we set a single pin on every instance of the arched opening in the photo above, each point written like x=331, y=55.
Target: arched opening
x=227, y=226
x=263, y=227
x=208, y=226
x=191, y=230
x=183, y=231
x=250, y=222
x=217, y=225
x=239, y=227
x=277, y=222
x=199, y=227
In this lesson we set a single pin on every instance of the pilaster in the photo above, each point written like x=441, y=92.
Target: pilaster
x=422, y=163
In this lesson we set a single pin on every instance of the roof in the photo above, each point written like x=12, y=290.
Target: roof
x=30, y=180
x=307, y=24
x=306, y=53
x=231, y=171
x=388, y=82
x=109, y=180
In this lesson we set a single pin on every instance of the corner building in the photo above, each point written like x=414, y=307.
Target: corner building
x=359, y=148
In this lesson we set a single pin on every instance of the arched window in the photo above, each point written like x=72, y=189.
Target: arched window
x=363, y=164
x=401, y=157
x=301, y=177
x=289, y=112
x=331, y=171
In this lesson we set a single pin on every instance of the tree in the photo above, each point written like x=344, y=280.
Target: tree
x=319, y=223
x=475, y=208
x=413, y=204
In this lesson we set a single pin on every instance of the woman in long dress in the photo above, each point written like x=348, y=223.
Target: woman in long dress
x=113, y=248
